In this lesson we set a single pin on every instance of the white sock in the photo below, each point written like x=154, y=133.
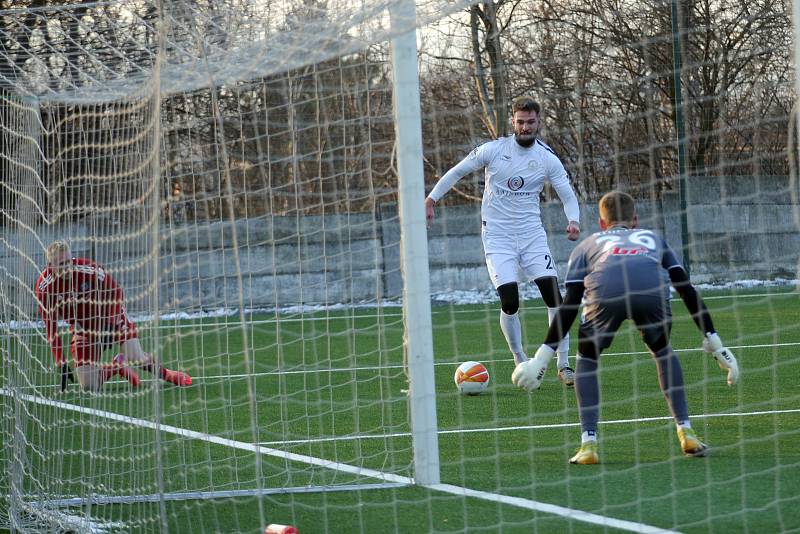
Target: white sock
x=133, y=352
x=588, y=436
x=512, y=329
x=684, y=424
x=562, y=352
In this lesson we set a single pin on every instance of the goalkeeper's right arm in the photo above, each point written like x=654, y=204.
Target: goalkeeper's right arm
x=54, y=340
x=693, y=301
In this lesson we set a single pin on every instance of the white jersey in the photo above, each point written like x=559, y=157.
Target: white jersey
x=515, y=176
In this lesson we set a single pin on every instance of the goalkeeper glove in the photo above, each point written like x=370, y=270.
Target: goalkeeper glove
x=66, y=374
x=528, y=375
x=725, y=358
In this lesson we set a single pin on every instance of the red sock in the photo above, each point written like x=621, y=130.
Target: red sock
x=130, y=375
x=174, y=377
x=179, y=378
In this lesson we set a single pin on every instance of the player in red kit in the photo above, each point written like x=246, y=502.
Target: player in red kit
x=82, y=293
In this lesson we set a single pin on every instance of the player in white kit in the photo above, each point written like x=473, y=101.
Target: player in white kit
x=516, y=169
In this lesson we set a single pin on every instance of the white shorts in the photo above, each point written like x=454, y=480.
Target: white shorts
x=507, y=254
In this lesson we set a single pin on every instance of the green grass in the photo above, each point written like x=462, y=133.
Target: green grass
x=316, y=380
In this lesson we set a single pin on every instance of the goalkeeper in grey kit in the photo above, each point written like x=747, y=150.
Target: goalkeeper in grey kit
x=624, y=273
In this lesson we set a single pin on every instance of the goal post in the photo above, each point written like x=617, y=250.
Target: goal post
x=414, y=250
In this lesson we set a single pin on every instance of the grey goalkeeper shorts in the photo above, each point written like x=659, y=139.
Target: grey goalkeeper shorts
x=601, y=319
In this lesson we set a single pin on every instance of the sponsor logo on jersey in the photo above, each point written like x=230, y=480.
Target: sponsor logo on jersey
x=629, y=251
x=474, y=153
x=533, y=164
x=506, y=157
x=92, y=270
x=516, y=182
x=46, y=281
x=496, y=191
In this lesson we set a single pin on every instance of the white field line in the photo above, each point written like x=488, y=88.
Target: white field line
x=69, y=502
x=202, y=436
x=319, y=315
x=399, y=314
x=527, y=427
x=569, y=513
x=463, y=358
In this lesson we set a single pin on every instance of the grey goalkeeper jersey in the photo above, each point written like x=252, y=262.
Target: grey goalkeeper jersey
x=620, y=262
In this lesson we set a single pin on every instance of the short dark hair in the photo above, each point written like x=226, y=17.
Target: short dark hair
x=616, y=207
x=525, y=103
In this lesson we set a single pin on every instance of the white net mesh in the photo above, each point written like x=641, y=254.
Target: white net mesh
x=234, y=166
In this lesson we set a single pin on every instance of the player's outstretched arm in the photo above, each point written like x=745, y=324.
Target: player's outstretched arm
x=712, y=343
x=51, y=331
x=573, y=230
x=429, y=203
x=565, y=315
x=471, y=163
x=691, y=299
x=66, y=374
x=528, y=375
x=570, y=201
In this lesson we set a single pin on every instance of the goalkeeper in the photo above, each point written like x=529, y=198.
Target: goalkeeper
x=82, y=293
x=624, y=273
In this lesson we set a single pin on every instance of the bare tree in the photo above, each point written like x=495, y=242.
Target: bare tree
x=485, y=36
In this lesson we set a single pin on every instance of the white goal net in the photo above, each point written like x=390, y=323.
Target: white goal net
x=252, y=175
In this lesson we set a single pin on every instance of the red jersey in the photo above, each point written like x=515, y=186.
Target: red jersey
x=88, y=298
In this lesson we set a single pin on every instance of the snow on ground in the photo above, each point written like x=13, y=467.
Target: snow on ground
x=457, y=297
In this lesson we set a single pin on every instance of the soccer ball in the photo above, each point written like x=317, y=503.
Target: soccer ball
x=471, y=378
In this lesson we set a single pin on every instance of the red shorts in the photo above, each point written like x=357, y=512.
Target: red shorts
x=88, y=345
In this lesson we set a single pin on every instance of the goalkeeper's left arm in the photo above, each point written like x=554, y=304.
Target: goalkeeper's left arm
x=702, y=318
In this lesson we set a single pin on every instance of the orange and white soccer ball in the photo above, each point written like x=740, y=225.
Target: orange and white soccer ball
x=471, y=378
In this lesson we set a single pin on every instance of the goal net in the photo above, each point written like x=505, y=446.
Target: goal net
x=252, y=175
